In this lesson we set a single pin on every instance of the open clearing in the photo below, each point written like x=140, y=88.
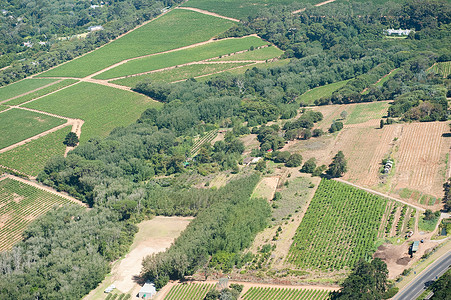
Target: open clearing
x=20, y=204
x=266, y=188
x=177, y=28
x=32, y=157
x=170, y=59
x=240, y=8
x=310, y=96
x=181, y=73
x=154, y=236
x=22, y=87
x=257, y=54
x=18, y=124
x=102, y=108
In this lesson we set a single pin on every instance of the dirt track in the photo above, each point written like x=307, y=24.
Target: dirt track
x=209, y=13
x=23, y=94
x=319, y=4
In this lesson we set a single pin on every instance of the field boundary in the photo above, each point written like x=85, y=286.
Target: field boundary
x=32, y=91
x=206, y=12
x=318, y=4
x=379, y=194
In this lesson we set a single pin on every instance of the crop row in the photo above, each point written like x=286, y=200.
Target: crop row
x=390, y=220
x=204, y=140
x=400, y=224
x=193, y=291
x=339, y=228
x=20, y=204
x=442, y=68
x=260, y=293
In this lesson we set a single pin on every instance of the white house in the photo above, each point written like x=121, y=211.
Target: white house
x=147, y=291
x=397, y=31
x=95, y=28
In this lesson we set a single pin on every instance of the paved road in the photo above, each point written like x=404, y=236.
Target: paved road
x=418, y=285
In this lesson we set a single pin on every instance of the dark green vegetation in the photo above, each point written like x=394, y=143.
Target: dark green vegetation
x=20, y=204
x=339, y=228
x=101, y=107
x=71, y=139
x=32, y=157
x=18, y=124
x=442, y=286
x=368, y=280
x=229, y=224
x=49, y=21
x=173, y=30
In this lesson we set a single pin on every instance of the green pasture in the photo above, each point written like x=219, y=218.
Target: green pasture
x=32, y=157
x=240, y=9
x=18, y=124
x=181, y=73
x=327, y=90
x=23, y=86
x=171, y=59
x=101, y=107
x=3, y=107
x=257, y=54
x=363, y=112
x=42, y=92
x=177, y=28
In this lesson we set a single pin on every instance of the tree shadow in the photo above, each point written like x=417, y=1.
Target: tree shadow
x=446, y=134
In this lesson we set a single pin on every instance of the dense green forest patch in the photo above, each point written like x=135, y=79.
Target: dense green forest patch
x=18, y=124
x=102, y=108
x=173, y=30
x=199, y=53
x=32, y=157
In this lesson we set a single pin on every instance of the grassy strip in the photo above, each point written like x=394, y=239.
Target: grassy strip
x=258, y=54
x=17, y=125
x=3, y=107
x=32, y=157
x=367, y=111
x=23, y=86
x=310, y=96
x=181, y=73
x=102, y=108
x=199, y=53
x=427, y=225
x=175, y=29
x=42, y=92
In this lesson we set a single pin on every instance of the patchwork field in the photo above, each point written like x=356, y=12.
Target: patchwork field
x=310, y=96
x=20, y=204
x=181, y=73
x=18, y=124
x=32, y=157
x=184, y=56
x=177, y=28
x=23, y=86
x=261, y=293
x=257, y=54
x=194, y=291
x=102, y=108
x=340, y=227
x=240, y=8
x=42, y=92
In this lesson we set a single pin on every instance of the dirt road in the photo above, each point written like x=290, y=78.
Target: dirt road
x=205, y=12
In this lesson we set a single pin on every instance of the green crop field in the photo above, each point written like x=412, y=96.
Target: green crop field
x=18, y=124
x=20, y=204
x=170, y=59
x=257, y=54
x=181, y=73
x=363, y=112
x=23, y=86
x=102, y=108
x=240, y=8
x=442, y=68
x=193, y=291
x=322, y=91
x=339, y=228
x=266, y=293
x=42, y=92
x=175, y=29
x=32, y=157
x=3, y=107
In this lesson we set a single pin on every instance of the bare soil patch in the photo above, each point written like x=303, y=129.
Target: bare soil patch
x=266, y=187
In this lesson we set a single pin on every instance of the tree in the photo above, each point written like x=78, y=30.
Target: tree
x=442, y=287
x=344, y=114
x=381, y=124
x=309, y=166
x=282, y=157
x=295, y=160
x=317, y=132
x=338, y=165
x=368, y=280
x=261, y=165
x=71, y=139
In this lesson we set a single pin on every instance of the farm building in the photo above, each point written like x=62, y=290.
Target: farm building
x=147, y=291
x=415, y=246
x=95, y=28
x=251, y=160
x=397, y=31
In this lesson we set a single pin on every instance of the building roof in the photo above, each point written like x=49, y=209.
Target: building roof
x=148, y=289
x=415, y=245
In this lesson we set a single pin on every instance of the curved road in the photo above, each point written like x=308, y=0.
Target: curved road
x=418, y=285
